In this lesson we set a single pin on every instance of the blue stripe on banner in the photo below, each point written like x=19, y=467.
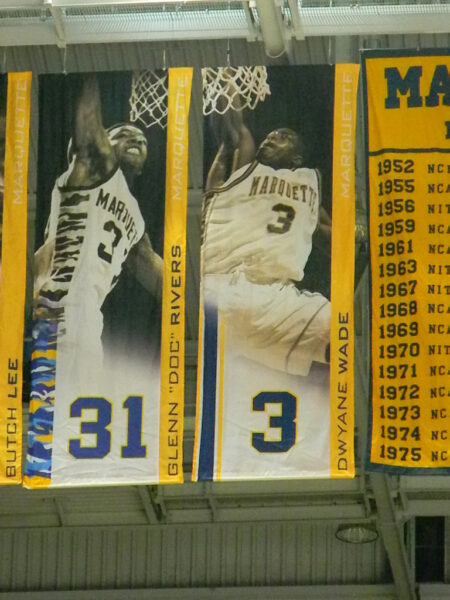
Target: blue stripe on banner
x=206, y=452
x=43, y=375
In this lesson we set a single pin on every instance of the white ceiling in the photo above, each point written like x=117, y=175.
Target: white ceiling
x=93, y=21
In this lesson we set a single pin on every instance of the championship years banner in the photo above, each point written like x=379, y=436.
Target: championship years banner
x=15, y=89
x=407, y=94
x=275, y=374
x=107, y=391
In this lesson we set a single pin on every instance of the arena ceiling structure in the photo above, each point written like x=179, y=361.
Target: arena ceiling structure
x=230, y=540
x=91, y=21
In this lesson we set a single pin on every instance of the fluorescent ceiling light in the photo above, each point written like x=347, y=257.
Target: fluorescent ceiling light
x=357, y=533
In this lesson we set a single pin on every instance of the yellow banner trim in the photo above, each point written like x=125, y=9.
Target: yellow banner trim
x=36, y=482
x=342, y=462
x=173, y=305
x=14, y=258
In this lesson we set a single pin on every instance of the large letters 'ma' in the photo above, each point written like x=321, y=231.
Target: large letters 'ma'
x=410, y=84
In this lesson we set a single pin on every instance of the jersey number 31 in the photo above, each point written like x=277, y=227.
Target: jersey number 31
x=99, y=427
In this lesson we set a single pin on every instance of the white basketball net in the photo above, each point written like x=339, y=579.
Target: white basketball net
x=148, y=100
x=222, y=85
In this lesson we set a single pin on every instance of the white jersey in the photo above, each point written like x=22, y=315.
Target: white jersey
x=261, y=222
x=90, y=232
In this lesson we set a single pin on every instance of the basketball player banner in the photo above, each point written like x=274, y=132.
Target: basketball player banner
x=407, y=95
x=275, y=375
x=15, y=91
x=107, y=391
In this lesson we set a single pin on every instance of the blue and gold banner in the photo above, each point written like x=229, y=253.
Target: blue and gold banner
x=110, y=258
x=407, y=95
x=14, y=146
x=173, y=317
x=275, y=374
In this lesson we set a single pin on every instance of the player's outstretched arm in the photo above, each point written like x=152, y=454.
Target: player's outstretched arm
x=218, y=171
x=94, y=155
x=322, y=235
x=245, y=150
x=231, y=130
x=41, y=268
x=147, y=266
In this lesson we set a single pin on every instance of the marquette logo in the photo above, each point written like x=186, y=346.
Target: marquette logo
x=20, y=140
x=411, y=86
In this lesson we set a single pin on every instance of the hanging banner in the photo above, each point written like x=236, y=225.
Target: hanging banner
x=15, y=91
x=110, y=258
x=275, y=375
x=407, y=95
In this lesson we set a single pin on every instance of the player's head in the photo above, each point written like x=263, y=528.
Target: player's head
x=130, y=146
x=281, y=149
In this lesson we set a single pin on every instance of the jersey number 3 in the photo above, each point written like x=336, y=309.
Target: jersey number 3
x=283, y=421
x=106, y=252
x=285, y=214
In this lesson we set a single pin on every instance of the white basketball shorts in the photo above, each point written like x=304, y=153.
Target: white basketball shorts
x=274, y=324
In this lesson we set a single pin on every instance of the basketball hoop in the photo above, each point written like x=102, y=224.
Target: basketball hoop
x=222, y=85
x=148, y=99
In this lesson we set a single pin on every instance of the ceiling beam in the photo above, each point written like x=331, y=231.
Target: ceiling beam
x=252, y=30
x=275, y=32
x=147, y=504
x=58, y=20
x=87, y=3
x=21, y=4
x=270, y=20
x=391, y=529
x=90, y=24
x=297, y=27
x=307, y=592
